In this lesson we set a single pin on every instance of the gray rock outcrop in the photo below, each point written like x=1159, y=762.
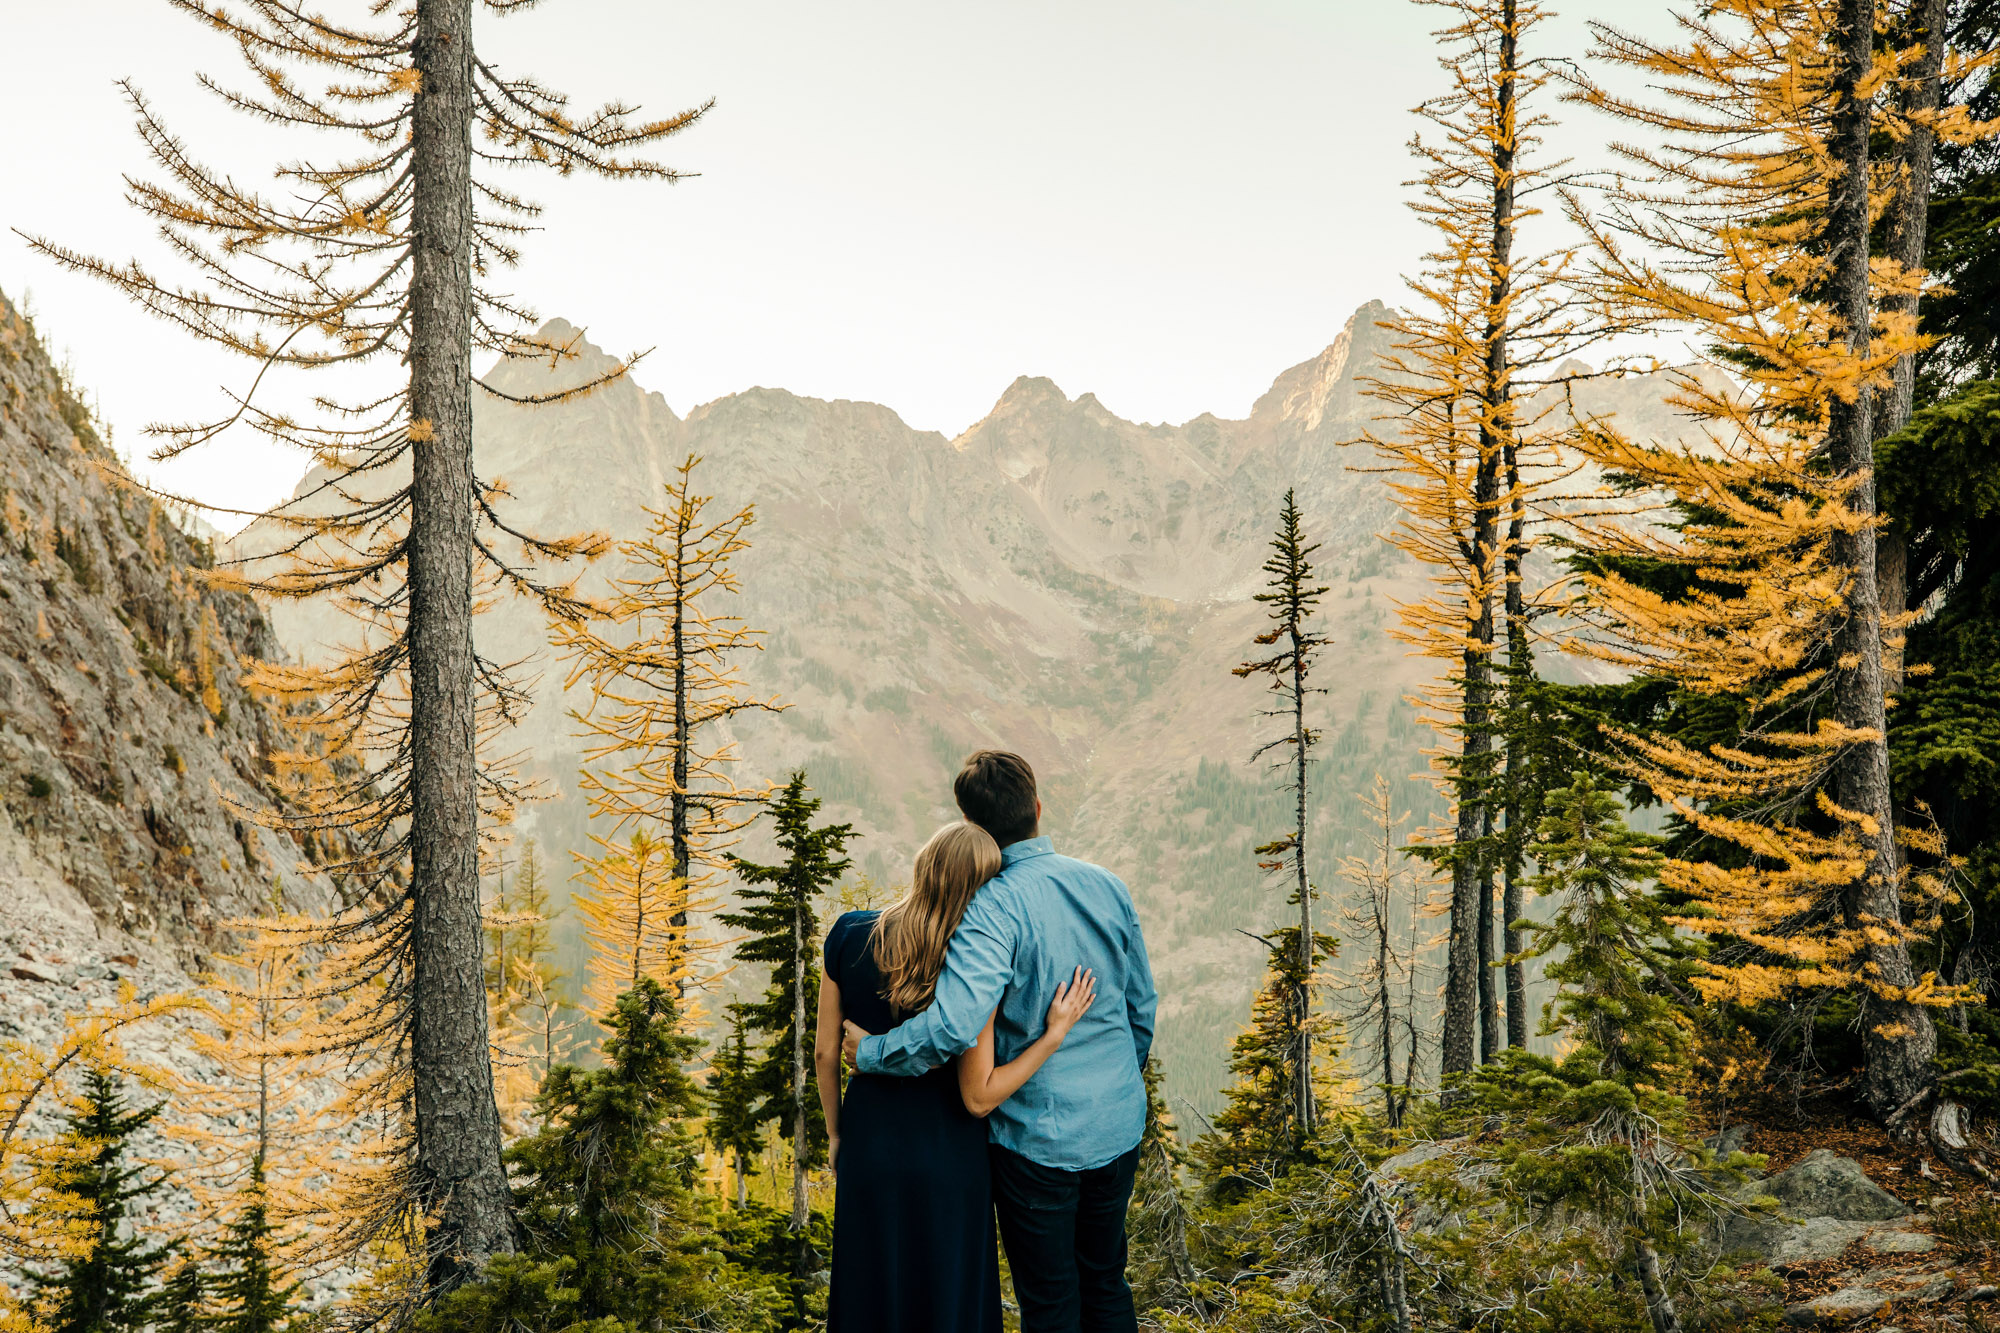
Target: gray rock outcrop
x=1825, y=1203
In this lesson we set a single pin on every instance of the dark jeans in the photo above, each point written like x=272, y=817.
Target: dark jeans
x=1065, y=1237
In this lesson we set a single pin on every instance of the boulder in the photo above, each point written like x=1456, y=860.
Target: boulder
x=1417, y=1156
x=1825, y=1204
x=1836, y=1308
x=1828, y=1185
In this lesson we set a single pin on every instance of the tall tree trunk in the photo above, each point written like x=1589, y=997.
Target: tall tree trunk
x=1909, y=229
x=742, y=1183
x=799, y=1226
x=800, y=1146
x=1898, y=1038
x=639, y=862
x=1515, y=603
x=1490, y=1036
x=1303, y=1099
x=458, y=1173
x=682, y=848
x=1495, y=432
x=1461, y=992
x=1382, y=1001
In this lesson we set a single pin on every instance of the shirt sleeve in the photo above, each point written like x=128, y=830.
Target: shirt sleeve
x=1141, y=999
x=977, y=967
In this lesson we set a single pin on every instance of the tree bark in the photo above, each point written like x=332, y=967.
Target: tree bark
x=1909, y=216
x=1510, y=941
x=1898, y=1037
x=800, y=1146
x=1909, y=230
x=458, y=1174
x=1515, y=604
x=1461, y=993
x=1496, y=432
x=1303, y=1098
x=801, y=1217
x=1659, y=1302
x=683, y=744
x=1384, y=1002
x=1491, y=1038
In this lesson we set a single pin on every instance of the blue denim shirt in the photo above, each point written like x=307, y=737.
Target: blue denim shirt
x=1024, y=933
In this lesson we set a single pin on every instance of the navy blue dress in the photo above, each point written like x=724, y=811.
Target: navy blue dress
x=913, y=1241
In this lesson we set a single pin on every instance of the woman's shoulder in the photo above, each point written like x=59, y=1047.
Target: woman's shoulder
x=849, y=924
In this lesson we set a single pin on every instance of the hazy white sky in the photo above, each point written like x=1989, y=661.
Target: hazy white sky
x=1164, y=202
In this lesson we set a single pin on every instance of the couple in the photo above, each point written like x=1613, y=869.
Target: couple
x=997, y=1018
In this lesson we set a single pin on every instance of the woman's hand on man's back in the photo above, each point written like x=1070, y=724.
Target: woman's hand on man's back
x=1072, y=998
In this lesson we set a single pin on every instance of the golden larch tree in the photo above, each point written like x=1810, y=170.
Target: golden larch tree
x=40, y=1222
x=659, y=656
x=523, y=983
x=1467, y=456
x=635, y=910
x=1746, y=231
x=265, y=1088
x=385, y=257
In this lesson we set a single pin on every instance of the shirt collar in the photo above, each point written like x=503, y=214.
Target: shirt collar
x=1020, y=851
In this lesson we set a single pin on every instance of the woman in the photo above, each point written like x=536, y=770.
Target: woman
x=913, y=1243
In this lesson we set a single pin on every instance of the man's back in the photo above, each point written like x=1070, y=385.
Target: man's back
x=1025, y=933
x=1087, y=1104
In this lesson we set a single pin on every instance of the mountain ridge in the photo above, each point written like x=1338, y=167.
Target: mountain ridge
x=1053, y=579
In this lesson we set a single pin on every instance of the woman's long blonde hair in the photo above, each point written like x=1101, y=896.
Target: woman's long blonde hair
x=912, y=934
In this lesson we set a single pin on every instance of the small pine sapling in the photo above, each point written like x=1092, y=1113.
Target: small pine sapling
x=248, y=1290
x=784, y=933
x=733, y=1126
x=615, y=1233
x=107, y=1284
x=1257, y=1134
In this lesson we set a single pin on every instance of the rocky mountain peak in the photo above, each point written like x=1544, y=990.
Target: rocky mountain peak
x=1325, y=387
x=579, y=362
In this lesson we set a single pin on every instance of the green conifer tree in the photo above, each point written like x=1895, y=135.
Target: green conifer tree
x=1293, y=598
x=615, y=1235
x=784, y=933
x=110, y=1285
x=1161, y=1269
x=732, y=1105
x=1258, y=1132
x=249, y=1293
x=1600, y=1136
x=182, y=1304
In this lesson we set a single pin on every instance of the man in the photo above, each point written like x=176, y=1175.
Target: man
x=1063, y=1148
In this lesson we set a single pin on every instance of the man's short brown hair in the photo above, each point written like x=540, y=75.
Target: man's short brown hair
x=996, y=790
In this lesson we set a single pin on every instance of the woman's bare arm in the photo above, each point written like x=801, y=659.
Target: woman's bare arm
x=982, y=1087
x=826, y=1063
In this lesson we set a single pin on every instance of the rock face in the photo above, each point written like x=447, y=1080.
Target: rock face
x=1055, y=580
x=131, y=756
x=128, y=747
